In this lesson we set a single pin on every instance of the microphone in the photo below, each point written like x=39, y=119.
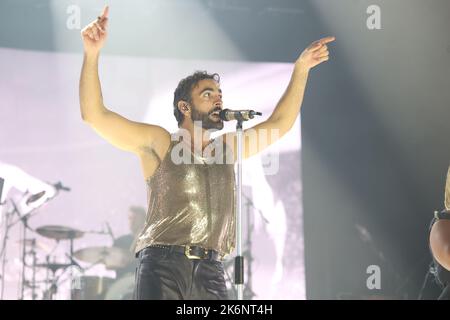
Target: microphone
x=59, y=186
x=239, y=115
x=35, y=197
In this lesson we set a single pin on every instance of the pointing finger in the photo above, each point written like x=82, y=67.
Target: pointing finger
x=105, y=12
x=327, y=40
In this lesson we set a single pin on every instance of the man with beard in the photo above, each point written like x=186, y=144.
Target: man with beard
x=190, y=224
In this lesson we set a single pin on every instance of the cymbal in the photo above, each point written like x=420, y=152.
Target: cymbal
x=112, y=257
x=59, y=232
x=53, y=266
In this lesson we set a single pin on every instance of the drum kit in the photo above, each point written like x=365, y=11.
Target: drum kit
x=83, y=287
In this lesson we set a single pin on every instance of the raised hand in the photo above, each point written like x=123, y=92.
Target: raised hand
x=95, y=33
x=315, y=54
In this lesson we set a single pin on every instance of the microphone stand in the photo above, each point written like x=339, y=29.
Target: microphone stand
x=24, y=220
x=3, y=248
x=8, y=226
x=25, y=226
x=239, y=259
x=248, y=292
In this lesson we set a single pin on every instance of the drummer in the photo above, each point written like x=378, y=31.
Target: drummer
x=136, y=220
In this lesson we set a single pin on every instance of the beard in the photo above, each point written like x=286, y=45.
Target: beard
x=207, y=122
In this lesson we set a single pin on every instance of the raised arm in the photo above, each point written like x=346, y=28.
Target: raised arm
x=285, y=113
x=119, y=131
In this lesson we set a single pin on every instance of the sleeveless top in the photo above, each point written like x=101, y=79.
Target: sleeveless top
x=191, y=199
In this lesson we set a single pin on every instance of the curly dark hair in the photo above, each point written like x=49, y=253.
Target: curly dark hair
x=184, y=91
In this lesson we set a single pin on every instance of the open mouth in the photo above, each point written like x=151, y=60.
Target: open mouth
x=215, y=114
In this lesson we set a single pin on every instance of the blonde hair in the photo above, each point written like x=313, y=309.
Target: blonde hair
x=447, y=191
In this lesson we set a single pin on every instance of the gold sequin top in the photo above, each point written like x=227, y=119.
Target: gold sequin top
x=447, y=191
x=191, y=203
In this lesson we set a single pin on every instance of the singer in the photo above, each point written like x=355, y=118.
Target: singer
x=190, y=224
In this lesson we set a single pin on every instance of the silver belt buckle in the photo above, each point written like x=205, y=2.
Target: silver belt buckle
x=187, y=253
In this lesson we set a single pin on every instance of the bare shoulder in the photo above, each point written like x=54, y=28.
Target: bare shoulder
x=441, y=229
x=440, y=242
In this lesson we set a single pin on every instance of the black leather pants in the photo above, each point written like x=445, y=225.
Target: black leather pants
x=161, y=274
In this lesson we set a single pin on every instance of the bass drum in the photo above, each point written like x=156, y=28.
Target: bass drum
x=122, y=288
x=90, y=287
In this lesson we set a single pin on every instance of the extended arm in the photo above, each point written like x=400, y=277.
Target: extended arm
x=285, y=113
x=119, y=131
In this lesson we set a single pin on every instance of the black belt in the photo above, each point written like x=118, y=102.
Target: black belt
x=191, y=252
